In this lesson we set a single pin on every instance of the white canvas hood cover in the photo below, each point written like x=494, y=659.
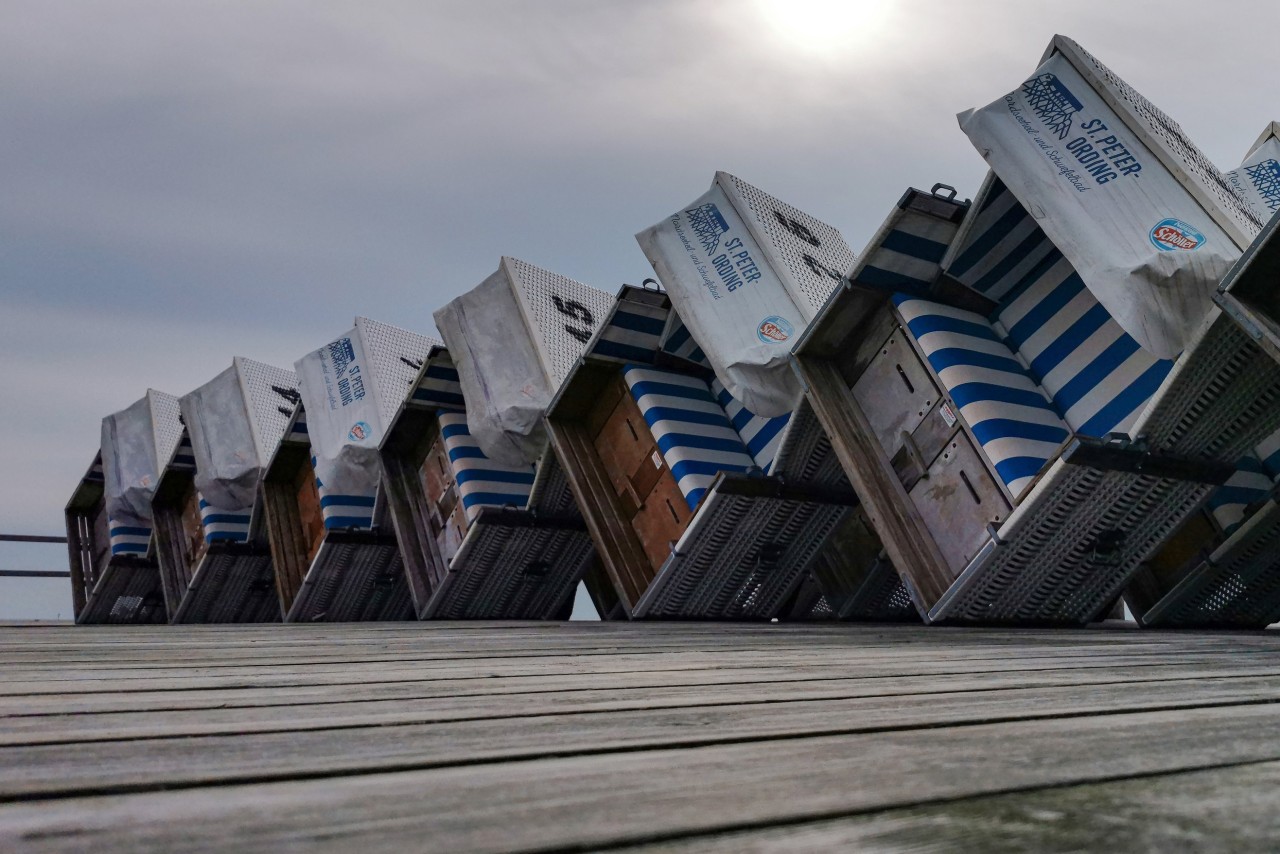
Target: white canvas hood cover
x=747, y=273
x=137, y=444
x=235, y=423
x=1258, y=178
x=351, y=389
x=514, y=338
x=1144, y=217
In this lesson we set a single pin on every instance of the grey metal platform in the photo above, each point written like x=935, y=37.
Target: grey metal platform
x=553, y=736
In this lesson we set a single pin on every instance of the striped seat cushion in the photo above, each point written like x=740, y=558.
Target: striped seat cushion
x=1269, y=453
x=761, y=435
x=344, y=511
x=692, y=431
x=1013, y=421
x=128, y=539
x=1230, y=502
x=223, y=526
x=480, y=481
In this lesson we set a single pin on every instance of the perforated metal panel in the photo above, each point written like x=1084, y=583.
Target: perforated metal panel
x=1176, y=142
x=808, y=254
x=565, y=313
x=397, y=355
x=166, y=424
x=273, y=393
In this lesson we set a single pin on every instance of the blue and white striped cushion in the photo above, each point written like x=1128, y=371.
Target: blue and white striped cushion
x=298, y=428
x=1098, y=376
x=481, y=482
x=761, y=435
x=1248, y=485
x=128, y=539
x=1013, y=421
x=223, y=526
x=439, y=386
x=184, y=458
x=679, y=342
x=906, y=253
x=693, y=434
x=344, y=511
x=632, y=333
x=1269, y=453
x=1003, y=245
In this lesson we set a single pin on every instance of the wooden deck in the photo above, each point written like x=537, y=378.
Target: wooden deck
x=457, y=737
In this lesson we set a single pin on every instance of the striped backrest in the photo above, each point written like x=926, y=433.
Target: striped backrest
x=439, y=387
x=481, y=482
x=341, y=511
x=184, y=458
x=906, y=253
x=1269, y=453
x=1096, y=374
x=128, y=539
x=223, y=526
x=761, y=435
x=1013, y=421
x=678, y=341
x=633, y=330
x=691, y=430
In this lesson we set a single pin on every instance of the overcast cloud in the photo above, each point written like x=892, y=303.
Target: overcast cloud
x=187, y=181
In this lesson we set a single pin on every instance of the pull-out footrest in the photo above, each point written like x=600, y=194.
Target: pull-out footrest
x=128, y=591
x=514, y=565
x=354, y=577
x=232, y=584
x=745, y=552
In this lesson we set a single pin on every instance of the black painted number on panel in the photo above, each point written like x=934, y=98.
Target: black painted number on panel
x=818, y=267
x=578, y=312
x=799, y=229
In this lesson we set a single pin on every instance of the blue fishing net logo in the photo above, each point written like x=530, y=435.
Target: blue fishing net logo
x=1052, y=103
x=708, y=225
x=1266, y=180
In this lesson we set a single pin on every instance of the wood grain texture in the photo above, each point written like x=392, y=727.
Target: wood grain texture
x=522, y=736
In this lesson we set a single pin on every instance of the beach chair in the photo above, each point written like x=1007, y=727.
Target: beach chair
x=700, y=507
x=1221, y=569
x=1090, y=396
x=333, y=548
x=493, y=538
x=114, y=576
x=211, y=543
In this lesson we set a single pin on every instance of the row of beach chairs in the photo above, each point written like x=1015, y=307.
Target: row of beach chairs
x=1020, y=409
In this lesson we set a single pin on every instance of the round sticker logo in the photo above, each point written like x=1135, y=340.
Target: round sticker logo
x=1171, y=234
x=774, y=329
x=359, y=432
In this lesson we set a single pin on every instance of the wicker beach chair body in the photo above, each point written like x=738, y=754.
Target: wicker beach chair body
x=493, y=538
x=699, y=508
x=211, y=543
x=333, y=548
x=490, y=540
x=1047, y=388
x=114, y=575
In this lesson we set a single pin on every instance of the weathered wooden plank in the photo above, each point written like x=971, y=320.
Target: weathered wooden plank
x=1219, y=809
x=159, y=763
x=614, y=798
x=332, y=712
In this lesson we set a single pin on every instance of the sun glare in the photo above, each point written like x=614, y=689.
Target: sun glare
x=823, y=26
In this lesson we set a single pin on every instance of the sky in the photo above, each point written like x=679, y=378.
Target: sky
x=187, y=182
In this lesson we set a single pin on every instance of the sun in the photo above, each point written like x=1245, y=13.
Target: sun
x=821, y=26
